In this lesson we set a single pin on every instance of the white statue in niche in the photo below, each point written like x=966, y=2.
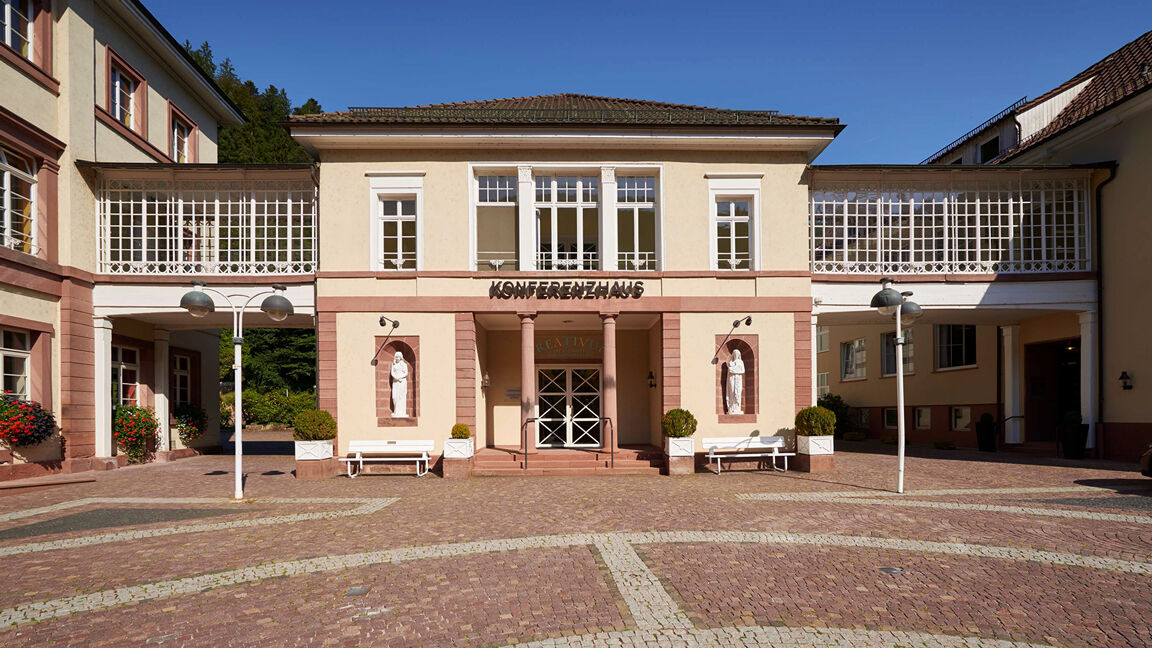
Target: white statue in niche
x=399, y=386
x=735, y=385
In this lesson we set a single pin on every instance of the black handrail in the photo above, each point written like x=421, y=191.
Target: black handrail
x=612, y=445
x=524, y=438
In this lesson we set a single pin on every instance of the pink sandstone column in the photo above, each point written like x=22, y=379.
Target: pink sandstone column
x=528, y=376
x=608, y=375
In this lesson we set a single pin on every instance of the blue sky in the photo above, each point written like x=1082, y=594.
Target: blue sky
x=906, y=77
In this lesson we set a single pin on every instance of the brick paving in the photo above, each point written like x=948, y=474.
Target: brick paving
x=994, y=549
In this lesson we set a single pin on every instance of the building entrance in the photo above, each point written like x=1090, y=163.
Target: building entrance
x=568, y=407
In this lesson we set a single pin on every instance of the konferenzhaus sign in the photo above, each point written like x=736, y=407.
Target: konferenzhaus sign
x=566, y=289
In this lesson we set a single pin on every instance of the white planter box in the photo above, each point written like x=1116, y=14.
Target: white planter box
x=310, y=450
x=459, y=448
x=814, y=445
x=680, y=447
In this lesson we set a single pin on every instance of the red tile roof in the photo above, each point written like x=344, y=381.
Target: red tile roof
x=564, y=108
x=1119, y=76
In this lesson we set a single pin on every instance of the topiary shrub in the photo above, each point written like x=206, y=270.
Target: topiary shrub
x=678, y=423
x=461, y=431
x=190, y=422
x=314, y=425
x=134, y=427
x=837, y=406
x=815, y=421
x=24, y=423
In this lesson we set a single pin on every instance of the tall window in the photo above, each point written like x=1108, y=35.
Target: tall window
x=823, y=338
x=182, y=139
x=636, y=222
x=497, y=236
x=17, y=202
x=890, y=353
x=955, y=346
x=398, y=233
x=734, y=233
x=822, y=387
x=567, y=222
x=853, y=360
x=14, y=350
x=125, y=375
x=122, y=89
x=181, y=379
x=16, y=25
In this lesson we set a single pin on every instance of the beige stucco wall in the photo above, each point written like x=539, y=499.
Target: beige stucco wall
x=775, y=373
x=28, y=99
x=346, y=201
x=926, y=385
x=356, y=398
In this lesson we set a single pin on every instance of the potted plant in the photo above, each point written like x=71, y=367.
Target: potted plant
x=460, y=446
x=134, y=429
x=313, y=431
x=23, y=423
x=986, y=433
x=1073, y=435
x=815, y=429
x=679, y=447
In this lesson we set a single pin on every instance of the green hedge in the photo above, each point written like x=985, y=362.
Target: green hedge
x=815, y=421
x=270, y=408
x=678, y=423
x=313, y=425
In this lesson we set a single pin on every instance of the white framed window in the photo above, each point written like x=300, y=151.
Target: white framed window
x=17, y=201
x=863, y=419
x=182, y=139
x=889, y=340
x=636, y=226
x=181, y=379
x=125, y=375
x=853, y=359
x=822, y=387
x=497, y=217
x=17, y=25
x=961, y=418
x=397, y=220
x=955, y=346
x=891, y=419
x=567, y=222
x=734, y=221
x=123, y=94
x=15, y=349
x=923, y=418
x=823, y=338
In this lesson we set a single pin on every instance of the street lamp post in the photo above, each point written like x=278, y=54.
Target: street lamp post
x=896, y=304
x=199, y=304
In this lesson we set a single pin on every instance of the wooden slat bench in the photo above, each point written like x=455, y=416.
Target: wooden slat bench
x=392, y=450
x=747, y=447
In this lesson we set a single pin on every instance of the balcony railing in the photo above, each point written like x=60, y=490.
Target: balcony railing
x=588, y=260
x=496, y=261
x=1017, y=224
x=636, y=261
x=206, y=227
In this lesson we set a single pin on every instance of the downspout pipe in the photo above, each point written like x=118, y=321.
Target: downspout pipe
x=1097, y=258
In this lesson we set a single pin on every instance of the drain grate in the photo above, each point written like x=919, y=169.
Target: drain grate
x=356, y=591
x=892, y=570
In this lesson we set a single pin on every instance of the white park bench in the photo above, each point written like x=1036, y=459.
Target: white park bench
x=390, y=450
x=757, y=446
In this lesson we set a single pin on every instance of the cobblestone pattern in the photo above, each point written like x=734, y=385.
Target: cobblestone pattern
x=956, y=595
x=773, y=637
x=365, y=507
x=650, y=605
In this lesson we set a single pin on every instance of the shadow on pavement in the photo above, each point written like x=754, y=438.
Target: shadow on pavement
x=962, y=454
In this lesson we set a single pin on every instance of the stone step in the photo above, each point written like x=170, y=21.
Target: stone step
x=559, y=471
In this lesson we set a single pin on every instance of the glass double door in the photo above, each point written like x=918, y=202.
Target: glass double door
x=568, y=407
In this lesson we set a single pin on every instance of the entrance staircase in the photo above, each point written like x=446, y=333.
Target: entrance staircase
x=630, y=460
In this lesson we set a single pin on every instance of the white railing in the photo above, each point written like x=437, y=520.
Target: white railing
x=20, y=237
x=567, y=260
x=496, y=261
x=206, y=227
x=1010, y=225
x=636, y=261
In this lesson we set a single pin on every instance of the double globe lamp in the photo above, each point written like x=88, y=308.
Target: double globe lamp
x=896, y=305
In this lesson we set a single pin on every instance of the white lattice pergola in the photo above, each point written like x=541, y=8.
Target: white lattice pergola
x=1012, y=222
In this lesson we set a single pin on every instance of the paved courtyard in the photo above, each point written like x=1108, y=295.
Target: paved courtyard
x=983, y=550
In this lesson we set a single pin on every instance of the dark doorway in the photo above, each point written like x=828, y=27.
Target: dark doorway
x=1052, y=387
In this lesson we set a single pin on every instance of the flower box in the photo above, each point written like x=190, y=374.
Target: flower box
x=814, y=445
x=680, y=446
x=459, y=448
x=313, y=450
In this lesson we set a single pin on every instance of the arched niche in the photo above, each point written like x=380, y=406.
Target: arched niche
x=386, y=349
x=749, y=353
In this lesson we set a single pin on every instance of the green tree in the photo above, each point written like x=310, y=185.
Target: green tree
x=274, y=359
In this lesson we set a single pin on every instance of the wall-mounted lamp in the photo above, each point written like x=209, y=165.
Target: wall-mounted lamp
x=1125, y=381
x=746, y=321
x=384, y=319
x=485, y=382
x=651, y=380
x=384, y=322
